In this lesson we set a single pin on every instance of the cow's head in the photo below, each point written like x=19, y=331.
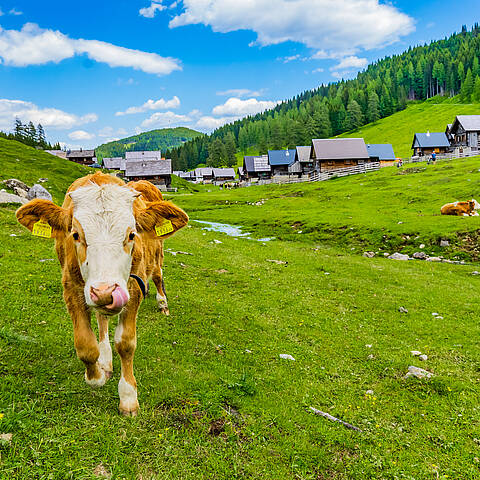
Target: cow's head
x=100, y=230
x=476, y=205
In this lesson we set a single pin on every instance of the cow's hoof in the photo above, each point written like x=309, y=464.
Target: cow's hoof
x=96, y=382
x=128, y=412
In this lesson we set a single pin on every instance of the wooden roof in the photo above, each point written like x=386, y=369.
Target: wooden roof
x=81, y=154
x=148, y=168
x=340, y=149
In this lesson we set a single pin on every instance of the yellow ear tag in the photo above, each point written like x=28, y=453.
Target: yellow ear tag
x=41, y=229
x=164, y=228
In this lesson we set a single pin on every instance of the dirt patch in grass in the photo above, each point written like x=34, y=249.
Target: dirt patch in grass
x=410, y=170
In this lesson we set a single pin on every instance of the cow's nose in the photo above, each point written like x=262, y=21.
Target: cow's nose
x=102, y=293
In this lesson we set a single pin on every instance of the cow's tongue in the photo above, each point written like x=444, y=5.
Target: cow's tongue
x=119, y=299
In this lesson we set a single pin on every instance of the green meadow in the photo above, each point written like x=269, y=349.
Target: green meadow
x=217, y=401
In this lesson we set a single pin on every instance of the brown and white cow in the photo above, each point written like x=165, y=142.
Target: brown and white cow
x=466, y=209
x=105, y=232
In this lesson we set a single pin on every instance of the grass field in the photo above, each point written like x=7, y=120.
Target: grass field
x=216, y=399
x=399, y=128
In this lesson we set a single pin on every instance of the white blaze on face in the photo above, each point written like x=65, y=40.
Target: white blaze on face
x=105, y=213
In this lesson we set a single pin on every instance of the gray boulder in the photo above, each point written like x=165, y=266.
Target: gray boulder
x=418, y=373
x=37, y=191
x=444, y=243
x=420, y=255
x=398, y=256
x=13, y=184
x=11, y=198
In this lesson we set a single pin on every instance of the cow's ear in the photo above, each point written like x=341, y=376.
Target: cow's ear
x=44, y=211
x=161, y=218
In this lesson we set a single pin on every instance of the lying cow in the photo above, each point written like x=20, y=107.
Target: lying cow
x=109, y=240
x=466, y=209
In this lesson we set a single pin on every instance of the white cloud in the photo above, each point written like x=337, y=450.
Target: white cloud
x=161, y=104
x=165, y=119
x=291, y=58
x=80, y=135
x=336, y=25
x=35, y=46
x=109, y=132
x=149, y=12
x=318, y=70
x=350, y=62
x=15, y=12
x=241, y=92
x=209, y=123
x=237, y=107
x=48, y=117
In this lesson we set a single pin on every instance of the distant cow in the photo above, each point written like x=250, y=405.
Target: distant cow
x=109, y=240
x=465, y=209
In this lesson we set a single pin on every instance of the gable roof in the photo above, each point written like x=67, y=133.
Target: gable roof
x=258, y=163
x=303, y=153
x=430, y=139
x=114, y=163
x=81, y=154
x=203, y=172
x=148, y=168
x=281, y=157
x=224, y=172
x=340, y=148
x=142, y=154
x=470, y=123
x=382, y=151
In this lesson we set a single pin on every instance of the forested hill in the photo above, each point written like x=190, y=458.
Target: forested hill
x=445, y=67
x=162, y=139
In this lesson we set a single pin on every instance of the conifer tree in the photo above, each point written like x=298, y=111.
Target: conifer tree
x=354, y=115
x=467, y=87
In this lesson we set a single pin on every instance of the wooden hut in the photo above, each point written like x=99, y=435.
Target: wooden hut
x=304, y=156
x=158, y=172
x=381, y=152
x=83, y=157
x=427, y=143
x=337, y=153
x=114, y=163
x=256, y=167
x=465, y=131
x=222, y=175
x=281, y=160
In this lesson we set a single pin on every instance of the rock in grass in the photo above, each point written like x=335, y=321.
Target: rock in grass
x=11, y=198
x=278, y=262
x=418, y=373
x=286, y=356
x=475, y=273
x=420, y=255
x=37, y=191
x=369, y=254
x=434, y=259
x=444, y=243
x=216, y=241
x=415, y=353
x=369, y=392
x=422, y=245
x=423, y=358
x=6, y=438
x=398, y=256
x=402, y=310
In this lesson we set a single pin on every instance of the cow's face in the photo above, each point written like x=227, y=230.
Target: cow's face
x=101, y=232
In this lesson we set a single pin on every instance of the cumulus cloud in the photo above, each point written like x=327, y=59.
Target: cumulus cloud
x=15, y=12
x=290, y=58
x=161, y=104
x=351, y=62
x=35, y=46
x=109, y=132
x=209, y=123
x=149, y=12
x=80, y=135
x=241, y=92
x=335, y=25
x=165, y=119
x=48, y=117
x=318, y=70
x=237, y=107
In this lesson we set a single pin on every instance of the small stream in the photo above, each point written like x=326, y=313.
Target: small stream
x=230, y=230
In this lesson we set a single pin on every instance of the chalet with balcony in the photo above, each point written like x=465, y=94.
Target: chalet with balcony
x=465, y=131
x=203, y=174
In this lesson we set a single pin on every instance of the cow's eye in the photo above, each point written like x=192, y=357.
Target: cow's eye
x=76, y=236
x=131, y=236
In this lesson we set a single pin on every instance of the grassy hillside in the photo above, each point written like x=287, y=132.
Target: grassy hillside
x=399, y=128
x=28, y=165
x=161, y=139
x=216, y=399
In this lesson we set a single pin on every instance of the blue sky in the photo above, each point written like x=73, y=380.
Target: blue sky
x=94, y=71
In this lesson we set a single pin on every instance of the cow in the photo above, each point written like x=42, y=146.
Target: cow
x=109, y=241
x=466, y=209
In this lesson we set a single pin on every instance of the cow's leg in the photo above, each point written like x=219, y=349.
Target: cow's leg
x=157, y=277
x=105, y=358
x=125, y=343
x=85, y=341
